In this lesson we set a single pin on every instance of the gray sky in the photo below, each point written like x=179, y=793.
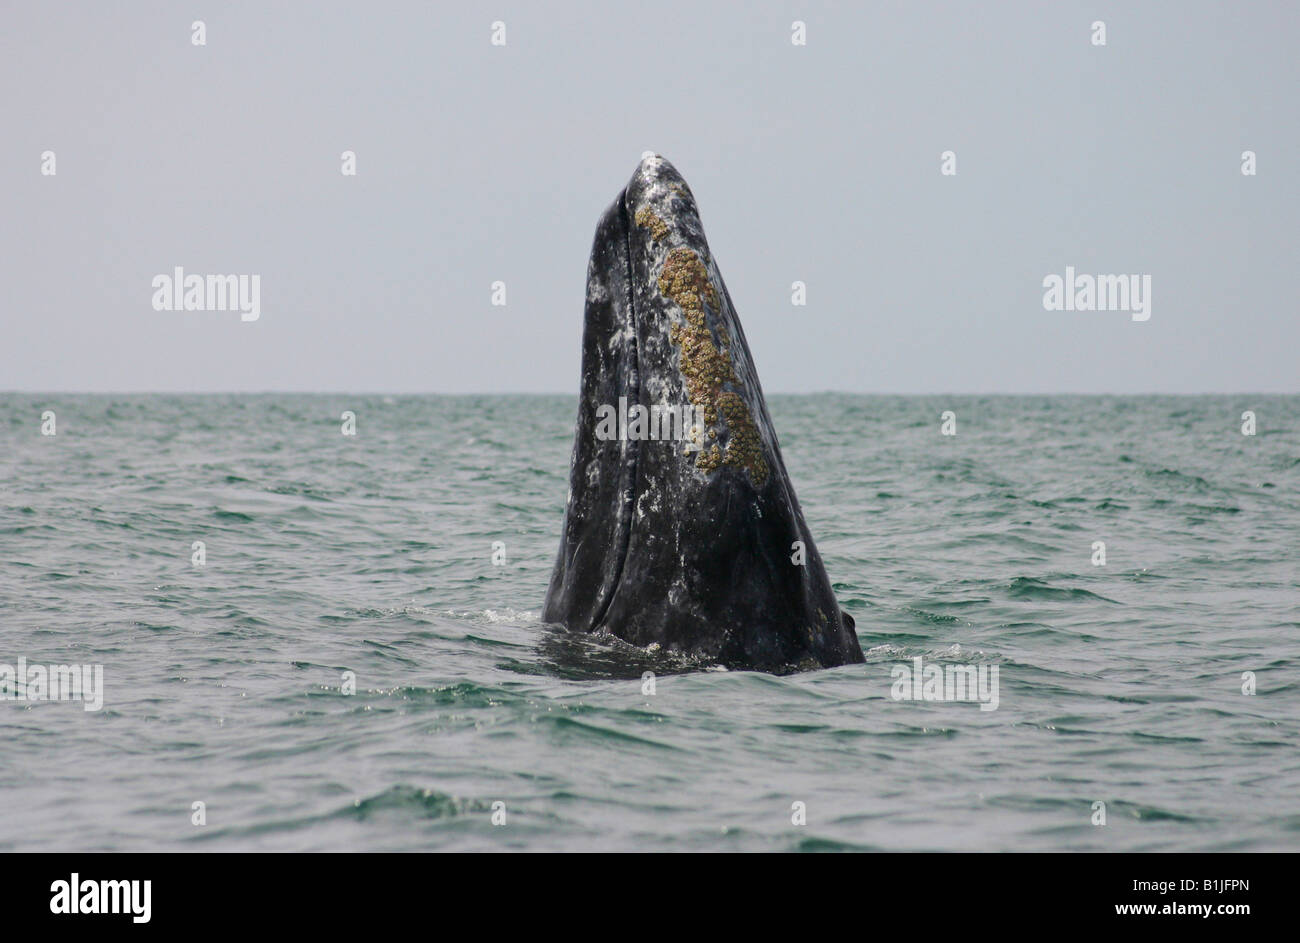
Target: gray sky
x=818, y=163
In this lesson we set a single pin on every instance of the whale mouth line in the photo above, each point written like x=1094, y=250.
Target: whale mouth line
x=633, y=394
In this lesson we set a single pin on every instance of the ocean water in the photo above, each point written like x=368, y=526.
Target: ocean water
x=373, y=554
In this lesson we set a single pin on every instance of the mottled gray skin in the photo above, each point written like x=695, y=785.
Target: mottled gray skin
x=654, y=548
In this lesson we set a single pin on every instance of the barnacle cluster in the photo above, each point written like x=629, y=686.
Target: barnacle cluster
x=706, y=367
x=646, y=217
x=744, y=447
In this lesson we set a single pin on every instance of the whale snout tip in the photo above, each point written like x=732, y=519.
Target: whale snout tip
x=655, y=180
x=655, y=167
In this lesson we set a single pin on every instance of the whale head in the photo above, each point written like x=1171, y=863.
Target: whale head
x=682, y=528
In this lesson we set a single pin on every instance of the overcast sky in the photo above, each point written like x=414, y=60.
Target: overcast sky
x=818, y=163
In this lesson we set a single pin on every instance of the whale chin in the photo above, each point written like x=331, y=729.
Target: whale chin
x=694, y=540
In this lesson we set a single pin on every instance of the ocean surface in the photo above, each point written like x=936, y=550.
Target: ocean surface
x=224, y=684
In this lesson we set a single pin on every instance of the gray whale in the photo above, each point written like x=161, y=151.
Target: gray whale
x=685, y=543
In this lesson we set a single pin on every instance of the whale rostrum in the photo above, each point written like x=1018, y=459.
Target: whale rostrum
x=682, y=529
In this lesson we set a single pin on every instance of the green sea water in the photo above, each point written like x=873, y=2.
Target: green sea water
x=367, y=560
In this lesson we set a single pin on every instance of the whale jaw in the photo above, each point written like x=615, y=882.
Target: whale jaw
x=694, y=542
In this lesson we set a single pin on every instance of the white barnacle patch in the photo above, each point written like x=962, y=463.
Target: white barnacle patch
x=648, y=501
x=596, y=291
x=656, y=389
x=622, y=336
